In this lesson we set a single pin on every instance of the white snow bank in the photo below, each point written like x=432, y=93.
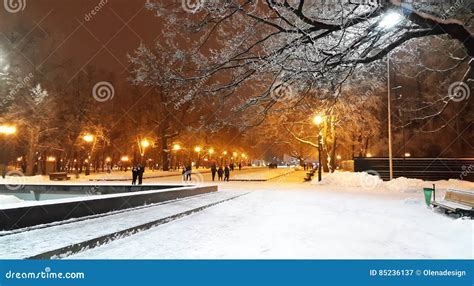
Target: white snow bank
x=9, y=200
x=371, y=181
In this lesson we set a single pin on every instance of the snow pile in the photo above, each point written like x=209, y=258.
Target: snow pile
x=350, y=179
x=9, y=200
x=371, y=181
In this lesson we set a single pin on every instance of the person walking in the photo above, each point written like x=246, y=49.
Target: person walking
x=226, y=173
x=184, y=173
x=220, y=173
x=189, y=171
x=141, y=170
x=213, y=171
x=134, y=175
x=240, y=166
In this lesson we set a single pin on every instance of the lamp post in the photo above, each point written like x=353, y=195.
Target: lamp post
x=198, y=151
x=143, y=144
x=318, y=119
x=89, y=138
x=389, y=21
x=176, y=148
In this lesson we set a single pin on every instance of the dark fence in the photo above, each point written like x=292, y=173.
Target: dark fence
x=50, y=211
x=431, y=169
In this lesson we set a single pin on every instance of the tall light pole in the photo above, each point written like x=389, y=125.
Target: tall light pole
x=143, y=144
x=89, y=138
x=318, y=119
x=389, y=21
x=198, y=151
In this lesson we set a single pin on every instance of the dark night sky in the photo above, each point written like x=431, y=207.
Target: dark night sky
x=103, y=41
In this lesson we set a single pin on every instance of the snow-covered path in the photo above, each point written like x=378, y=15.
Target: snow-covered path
x=289, y=219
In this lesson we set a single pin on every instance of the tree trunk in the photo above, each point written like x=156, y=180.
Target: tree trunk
x=333, y=154
x=33, y=138
x=165, y=162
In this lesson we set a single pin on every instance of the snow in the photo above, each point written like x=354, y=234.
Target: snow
x=346, y=216
x=20, y=245
x=292, y=220
x=369, y=181
x=5, y=199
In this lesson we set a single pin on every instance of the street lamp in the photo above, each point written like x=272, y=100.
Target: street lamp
x=176, y=147
x=318, y=120
x=198, y=151
x=389, y=21
x=7, y=129
x=88, y=138
x=144, y=144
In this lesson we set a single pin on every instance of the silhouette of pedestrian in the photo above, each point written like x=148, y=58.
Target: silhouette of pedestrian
x=184, y=173
x=189, y=171
x=226, y=173
x=141, y=170
x=134, y=175
x=220, y=173
x=213, y=171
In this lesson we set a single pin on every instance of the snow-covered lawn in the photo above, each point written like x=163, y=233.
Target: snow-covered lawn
x=347, y=215
x=296, y=220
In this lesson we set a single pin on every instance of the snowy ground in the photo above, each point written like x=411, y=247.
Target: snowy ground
x=345, y=216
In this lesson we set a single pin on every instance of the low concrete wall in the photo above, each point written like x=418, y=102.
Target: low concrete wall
x=48, y=212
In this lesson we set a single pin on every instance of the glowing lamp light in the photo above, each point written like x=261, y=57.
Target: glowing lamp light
x=224, y=153
x=176, y=147
x=197, y=149
x=51, y=159
x=108, y=160
x=390, y=20
x=338, y=157
x=235, y=154
x=368, y=155
x=19, y=159
x=124, y=159
x=318, y=119
x=7, y=129
x=407, y=155
x=145, y=143
x=88, y=138
x=211, y=151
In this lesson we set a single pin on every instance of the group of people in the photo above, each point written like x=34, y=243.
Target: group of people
x=222, y=173
x=137, y=174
